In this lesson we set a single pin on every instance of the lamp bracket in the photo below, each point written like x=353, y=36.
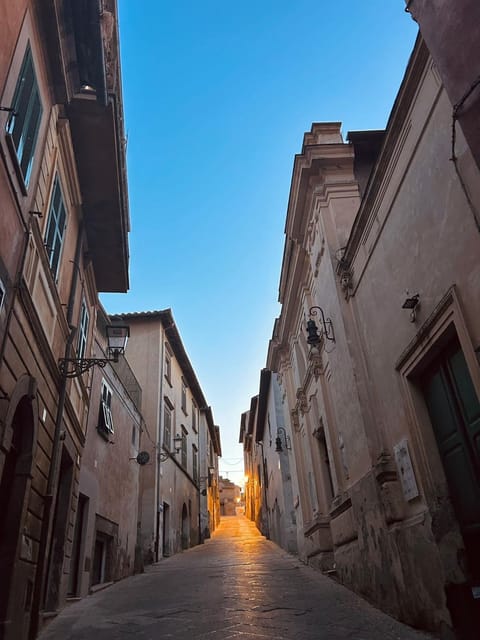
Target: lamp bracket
x=76, y=367
x=327, y=326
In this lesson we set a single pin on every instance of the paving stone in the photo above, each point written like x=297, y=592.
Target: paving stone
x=236, y=586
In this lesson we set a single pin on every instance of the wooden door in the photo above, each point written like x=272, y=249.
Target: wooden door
x=454, y=410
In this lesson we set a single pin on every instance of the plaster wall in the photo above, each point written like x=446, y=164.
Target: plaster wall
x=143, y=353
x=110, y=478
x=423, y=240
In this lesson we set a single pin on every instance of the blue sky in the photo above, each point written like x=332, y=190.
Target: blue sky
x=217, y=97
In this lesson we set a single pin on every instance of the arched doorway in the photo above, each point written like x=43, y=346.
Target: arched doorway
x=16, y=561
x=185, y=528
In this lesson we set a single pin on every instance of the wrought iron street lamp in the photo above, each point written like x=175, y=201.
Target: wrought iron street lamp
x=117, y=336
x=278, y=440
x=313, y=337
x=177, y=445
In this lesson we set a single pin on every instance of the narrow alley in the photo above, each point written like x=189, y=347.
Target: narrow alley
x=236, y=585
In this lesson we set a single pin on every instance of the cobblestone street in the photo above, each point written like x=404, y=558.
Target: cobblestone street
x=236, y=585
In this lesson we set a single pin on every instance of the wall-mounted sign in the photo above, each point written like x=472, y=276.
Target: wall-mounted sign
x=405, y=470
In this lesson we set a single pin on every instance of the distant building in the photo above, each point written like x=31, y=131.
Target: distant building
x=179, y=492
x=107, y=522
x=269, y=465
x=229, y=497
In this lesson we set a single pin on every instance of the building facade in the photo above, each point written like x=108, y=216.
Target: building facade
x=380, y=395
x=64, y=237
x=105, y=544
x=271, y=478
x=443, y=26
x=229, y=497
x=179, y=491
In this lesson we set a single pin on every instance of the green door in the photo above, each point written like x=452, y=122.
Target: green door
x=455, y=414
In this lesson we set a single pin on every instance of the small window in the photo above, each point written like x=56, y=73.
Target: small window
x=55, y=227
x=83, y=330
x=184, y=397
x=134, y=435
x=168, y=364
x=184, y=447
x=105, y=420
x=24, y=121
x=195, y=463
x=2, y=294
x=194, y=417
x=167, y=427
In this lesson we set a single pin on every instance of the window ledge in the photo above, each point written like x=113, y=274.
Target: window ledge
x=104, y=434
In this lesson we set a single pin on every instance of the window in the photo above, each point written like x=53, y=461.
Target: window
x=105, y=420
x=168, y=364
x=195, y=462
x=83, y=330
x=55, y=227
x=2, y=294
x=167, y=427
x=24, y=121
x=194, y=416
x=184, y=447
x=134, y=435
x=184, y=396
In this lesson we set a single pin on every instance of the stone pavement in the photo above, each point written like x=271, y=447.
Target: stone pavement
x=236, y=586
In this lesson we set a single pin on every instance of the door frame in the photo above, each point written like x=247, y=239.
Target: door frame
x=444, y=324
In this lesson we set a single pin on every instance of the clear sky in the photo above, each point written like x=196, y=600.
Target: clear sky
x=217, y=97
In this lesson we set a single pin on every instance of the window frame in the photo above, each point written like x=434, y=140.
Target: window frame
x=168, y=364
x=83, y=326
x=194, y=417
x=105, y=426
x=30, y=126
x=55, y=217
x=167, y=413
x=3, y=294
x=183, y=450
x=184, y=396
x=195, y=462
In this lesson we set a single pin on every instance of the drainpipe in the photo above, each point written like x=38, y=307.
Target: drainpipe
x=52, y=482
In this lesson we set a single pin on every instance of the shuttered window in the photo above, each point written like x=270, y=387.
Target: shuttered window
x=24, y=121
x=83, y=330
x=55, y=227
x=105, y=419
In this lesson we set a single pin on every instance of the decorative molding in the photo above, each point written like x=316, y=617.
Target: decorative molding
x=295, y=420
x=302, y=402
x=340, y=504
x=427, y=327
